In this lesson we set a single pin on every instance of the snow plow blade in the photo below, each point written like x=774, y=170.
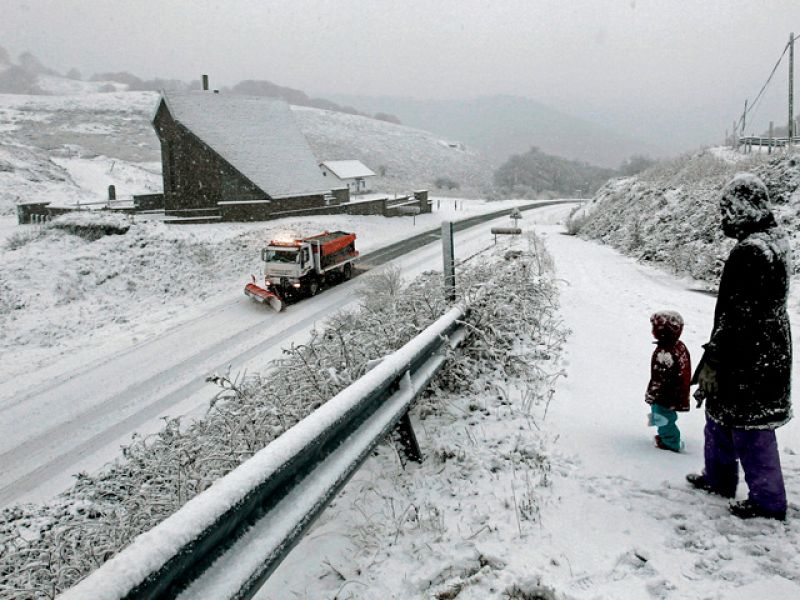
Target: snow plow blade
x=259, y=294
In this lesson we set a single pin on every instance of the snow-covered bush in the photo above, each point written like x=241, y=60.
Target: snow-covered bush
x=92, y=225
x=515, y=334
x=576, y=220
x=18, y=239
x=669, y=213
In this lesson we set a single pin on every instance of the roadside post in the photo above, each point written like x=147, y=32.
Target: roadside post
x=449, y=261
x=410, y=210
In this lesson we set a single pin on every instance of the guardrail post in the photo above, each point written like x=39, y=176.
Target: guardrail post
x=409, y=446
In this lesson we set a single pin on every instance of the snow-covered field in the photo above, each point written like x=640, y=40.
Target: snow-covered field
x=570, y=501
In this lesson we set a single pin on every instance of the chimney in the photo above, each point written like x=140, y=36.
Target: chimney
x=205, y=83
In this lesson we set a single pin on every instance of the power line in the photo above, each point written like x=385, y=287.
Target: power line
x=764, y=87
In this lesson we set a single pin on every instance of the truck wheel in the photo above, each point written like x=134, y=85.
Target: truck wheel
x=313, y=287
x=347, y=271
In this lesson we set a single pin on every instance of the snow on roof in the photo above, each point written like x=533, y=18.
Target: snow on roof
x=257, y=135
x=348, y=169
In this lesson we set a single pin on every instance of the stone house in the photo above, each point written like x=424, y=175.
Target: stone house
x=235, y=157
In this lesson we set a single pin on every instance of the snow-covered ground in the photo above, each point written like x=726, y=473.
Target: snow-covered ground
x=606, y=515
x=103, y=338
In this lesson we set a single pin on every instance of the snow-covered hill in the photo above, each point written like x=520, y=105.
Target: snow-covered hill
x=669, y=214
x=408, y=158
x=68, y=148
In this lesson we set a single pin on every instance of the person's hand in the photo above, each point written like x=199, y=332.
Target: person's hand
x=699, y=396
x=707, y=380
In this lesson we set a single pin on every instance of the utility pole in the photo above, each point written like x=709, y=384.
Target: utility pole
x=744, y=118
x=791, y=87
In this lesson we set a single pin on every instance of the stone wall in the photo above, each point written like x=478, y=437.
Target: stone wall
x=148, y=202
x=264, y=210
x=423, y=202
x=38, y=212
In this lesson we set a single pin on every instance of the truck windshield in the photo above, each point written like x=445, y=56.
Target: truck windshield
x=284, y=256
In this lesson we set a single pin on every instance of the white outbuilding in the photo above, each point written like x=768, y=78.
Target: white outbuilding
x=352, y=173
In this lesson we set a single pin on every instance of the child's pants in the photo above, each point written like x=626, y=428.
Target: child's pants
x=668, y=431
x=757, y=450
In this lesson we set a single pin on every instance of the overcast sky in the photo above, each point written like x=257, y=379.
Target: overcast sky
x=653, y=67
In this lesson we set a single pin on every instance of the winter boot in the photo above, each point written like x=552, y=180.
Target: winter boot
x=662, y=446
x=746, y=509
x=701, y=483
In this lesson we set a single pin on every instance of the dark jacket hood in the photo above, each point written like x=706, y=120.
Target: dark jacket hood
x=745, y=207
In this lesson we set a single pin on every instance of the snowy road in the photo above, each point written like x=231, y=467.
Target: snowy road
x=77, y=421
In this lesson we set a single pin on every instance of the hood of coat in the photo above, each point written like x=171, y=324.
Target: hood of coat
x=745, y=206
x=667, y=325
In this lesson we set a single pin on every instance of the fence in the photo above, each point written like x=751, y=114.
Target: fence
x=771, y=142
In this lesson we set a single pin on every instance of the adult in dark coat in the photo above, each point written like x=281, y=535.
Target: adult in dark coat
x=745, y=373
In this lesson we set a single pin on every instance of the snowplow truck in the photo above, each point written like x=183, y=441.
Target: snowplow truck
x=301, y=267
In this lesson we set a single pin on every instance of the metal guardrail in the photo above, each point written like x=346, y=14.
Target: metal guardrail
x=225, y=542
x=775, y=142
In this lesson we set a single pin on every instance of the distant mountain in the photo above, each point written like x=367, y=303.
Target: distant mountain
x=500, y=126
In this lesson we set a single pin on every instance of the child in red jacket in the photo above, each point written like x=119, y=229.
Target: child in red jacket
x=670, y=374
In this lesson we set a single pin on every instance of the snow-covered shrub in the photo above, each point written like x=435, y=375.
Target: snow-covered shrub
x=9, y=299
x=91, y=225
x=530, y=591
x=18, y=239
x=445, y=183
x=576, y=219
x=515, y=329
x=669, y=213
